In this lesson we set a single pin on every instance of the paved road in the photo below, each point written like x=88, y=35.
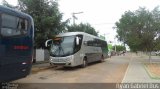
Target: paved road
x=110, y=71
x=128, y=68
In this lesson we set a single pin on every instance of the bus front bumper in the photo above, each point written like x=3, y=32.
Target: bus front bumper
x=61, y=64
x=62, y=61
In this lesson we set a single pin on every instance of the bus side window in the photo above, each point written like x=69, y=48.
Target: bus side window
x=90, y=43
x=13, y=26
x=96, y=43
x=77, y=47
x=22, y=26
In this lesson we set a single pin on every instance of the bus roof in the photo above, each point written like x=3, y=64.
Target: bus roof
x=14, y=12
x=77, y=33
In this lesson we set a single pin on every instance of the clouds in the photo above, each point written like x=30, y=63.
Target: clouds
x=102, y=14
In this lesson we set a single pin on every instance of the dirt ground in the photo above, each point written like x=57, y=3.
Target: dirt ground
x=110, y=71
x=153, y=69
x=105, y=74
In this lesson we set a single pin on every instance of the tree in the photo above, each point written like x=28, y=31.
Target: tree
x=82, y=28
x=140, y=29
x=157, y=44
x=110, y=47
x=47, y=18
x=119, y=48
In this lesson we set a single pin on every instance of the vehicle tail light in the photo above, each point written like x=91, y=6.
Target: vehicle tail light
x=21, y=47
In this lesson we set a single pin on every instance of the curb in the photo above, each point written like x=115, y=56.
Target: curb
x=151, y=75
x=41, y=62
x=126, y=71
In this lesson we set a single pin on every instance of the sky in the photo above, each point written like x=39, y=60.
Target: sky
x=101, y=14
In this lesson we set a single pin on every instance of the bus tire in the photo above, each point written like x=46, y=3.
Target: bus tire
x=85, y=63
x=102, y=59
x=34, y=60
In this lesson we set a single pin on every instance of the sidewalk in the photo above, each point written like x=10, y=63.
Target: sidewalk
x=136, y=72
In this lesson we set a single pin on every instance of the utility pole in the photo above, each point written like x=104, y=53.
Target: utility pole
x=74, y=17
x=115, y=44
x=115, y=40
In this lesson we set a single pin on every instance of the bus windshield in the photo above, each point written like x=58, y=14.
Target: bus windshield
x=62, y=46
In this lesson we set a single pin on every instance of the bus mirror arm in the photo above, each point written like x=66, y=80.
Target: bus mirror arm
x=46, y=43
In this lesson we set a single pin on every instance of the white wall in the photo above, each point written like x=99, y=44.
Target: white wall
x=39, y=55
x=42, y=55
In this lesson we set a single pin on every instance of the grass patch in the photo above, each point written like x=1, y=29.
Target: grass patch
x=153, y=70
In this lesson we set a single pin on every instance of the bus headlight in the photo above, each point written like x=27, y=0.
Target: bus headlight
x=51, y=59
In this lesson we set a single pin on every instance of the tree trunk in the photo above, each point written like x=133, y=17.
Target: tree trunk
x=150, y=56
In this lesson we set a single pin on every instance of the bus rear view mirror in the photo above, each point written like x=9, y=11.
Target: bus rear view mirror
x=48, y=43
x=77, y=40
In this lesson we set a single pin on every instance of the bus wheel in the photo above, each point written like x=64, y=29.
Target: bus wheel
x=102, y=59
x=84, y=63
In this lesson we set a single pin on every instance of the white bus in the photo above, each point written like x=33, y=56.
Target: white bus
x=76, y=48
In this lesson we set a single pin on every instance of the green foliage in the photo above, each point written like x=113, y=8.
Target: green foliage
x=119, y=48
x=157, y=45
x=102, y=37
x=110, y=47
x=139, y=29
x=82, y=28
x=47, y=18
x=46, y=15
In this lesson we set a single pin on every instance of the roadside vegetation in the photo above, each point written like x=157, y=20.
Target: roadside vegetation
x=140, y=30
x=48, y=20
